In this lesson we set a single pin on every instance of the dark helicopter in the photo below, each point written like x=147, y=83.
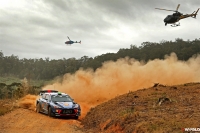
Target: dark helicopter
x=175, y=17
x=71, y=42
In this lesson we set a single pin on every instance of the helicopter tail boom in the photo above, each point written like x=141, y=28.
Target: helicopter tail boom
x=194, y=14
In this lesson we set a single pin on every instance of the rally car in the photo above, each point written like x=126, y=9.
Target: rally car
x=54, y=103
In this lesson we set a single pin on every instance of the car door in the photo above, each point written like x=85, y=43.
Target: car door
x=43, y=103
x=46, y=103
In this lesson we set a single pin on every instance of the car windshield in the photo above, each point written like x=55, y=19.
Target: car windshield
x=60, y=98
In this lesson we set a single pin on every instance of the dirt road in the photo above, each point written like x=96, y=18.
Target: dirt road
x=28, y=121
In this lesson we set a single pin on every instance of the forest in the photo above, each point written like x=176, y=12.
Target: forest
x=46, y=69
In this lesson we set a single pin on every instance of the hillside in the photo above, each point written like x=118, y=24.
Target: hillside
x=159, y=109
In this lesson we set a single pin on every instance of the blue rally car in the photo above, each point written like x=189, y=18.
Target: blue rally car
x=54, y=103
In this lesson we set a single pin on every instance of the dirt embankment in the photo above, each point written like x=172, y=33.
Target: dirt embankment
x=159, y=109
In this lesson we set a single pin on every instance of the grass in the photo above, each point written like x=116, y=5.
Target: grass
x=127, y=111
x=153, y=127
x=172, y=125
x=9, y=80
x=16, y=91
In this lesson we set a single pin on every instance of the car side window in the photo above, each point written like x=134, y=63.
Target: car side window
x=47, y=97
x=44, y=96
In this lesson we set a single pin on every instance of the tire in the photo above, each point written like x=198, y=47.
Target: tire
x=76, y=117
x=38, y=108
x=50, y=112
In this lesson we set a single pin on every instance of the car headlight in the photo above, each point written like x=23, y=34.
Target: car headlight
x=76, y=106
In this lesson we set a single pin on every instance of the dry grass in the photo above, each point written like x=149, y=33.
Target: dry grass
x=158, y=109
x=7, y=105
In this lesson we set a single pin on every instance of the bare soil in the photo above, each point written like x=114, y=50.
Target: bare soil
x=158, y=109
x=28, y=121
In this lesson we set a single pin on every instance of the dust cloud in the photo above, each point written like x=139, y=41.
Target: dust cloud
x=28, y=102
x=90, y=88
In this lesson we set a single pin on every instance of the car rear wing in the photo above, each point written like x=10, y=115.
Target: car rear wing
x=47, y=91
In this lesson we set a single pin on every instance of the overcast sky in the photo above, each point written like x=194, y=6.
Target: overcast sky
x=39, y=28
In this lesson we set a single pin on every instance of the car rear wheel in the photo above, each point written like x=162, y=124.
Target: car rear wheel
x=38, y=108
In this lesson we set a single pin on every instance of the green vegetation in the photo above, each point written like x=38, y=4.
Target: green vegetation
x=15, y=88
x=46, y=69
x=9, y=80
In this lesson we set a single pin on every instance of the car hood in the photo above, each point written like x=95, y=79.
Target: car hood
x=64, y=104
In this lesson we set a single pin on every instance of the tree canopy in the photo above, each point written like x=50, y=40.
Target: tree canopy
x=46, y=69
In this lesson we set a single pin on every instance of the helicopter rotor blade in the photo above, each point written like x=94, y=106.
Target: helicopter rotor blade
x=165, y=9
x=177, y=7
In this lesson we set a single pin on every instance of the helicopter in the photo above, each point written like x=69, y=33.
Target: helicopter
x=71, y=42
x=175, y=17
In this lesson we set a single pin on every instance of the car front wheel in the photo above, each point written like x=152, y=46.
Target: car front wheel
x=76, y=117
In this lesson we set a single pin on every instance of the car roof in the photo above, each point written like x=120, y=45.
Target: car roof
x=49, y=91
x=46, y=91
x=56, y=93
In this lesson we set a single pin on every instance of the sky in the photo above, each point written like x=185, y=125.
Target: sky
x=39, y=28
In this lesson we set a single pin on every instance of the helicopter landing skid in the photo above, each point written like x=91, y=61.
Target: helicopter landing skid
x=175, y=24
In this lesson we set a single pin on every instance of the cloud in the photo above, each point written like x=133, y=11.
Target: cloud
x=42, y=27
